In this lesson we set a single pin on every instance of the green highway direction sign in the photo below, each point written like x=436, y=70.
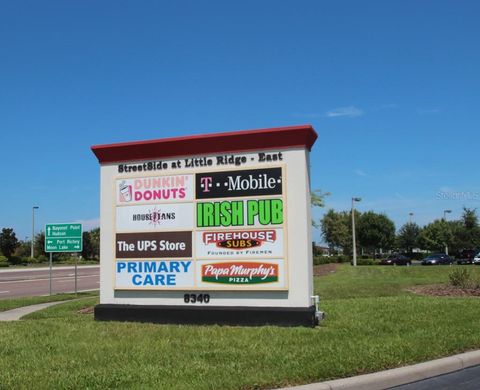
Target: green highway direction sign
x=63, y=237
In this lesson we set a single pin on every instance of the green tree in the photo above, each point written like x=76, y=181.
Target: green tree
x=375, y=231
x=86, y=246
x=317, y=199
x=95, y=243
x=91, y=244
x=408, y=236
x=23, y=249
x=39, y=246
x=334, y=227
x=8, y=242
x=437, y=235
x=466, y=231
x=470, y=218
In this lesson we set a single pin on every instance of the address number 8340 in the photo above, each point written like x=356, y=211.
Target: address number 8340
x=196, y=298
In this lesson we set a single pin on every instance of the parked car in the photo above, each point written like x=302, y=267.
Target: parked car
x=437, y=259
x=466, y=256
x=476, y=259
x=396, y=260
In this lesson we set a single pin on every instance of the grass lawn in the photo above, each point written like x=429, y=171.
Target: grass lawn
x=382, y=281
x=9, y=304
x=372, y=324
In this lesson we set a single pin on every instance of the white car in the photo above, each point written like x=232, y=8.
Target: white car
x=476, y=259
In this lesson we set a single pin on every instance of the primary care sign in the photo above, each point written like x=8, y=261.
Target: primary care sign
x=207, y=219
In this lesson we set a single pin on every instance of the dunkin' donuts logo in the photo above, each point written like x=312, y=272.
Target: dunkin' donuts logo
x=240, y=273
x=125, y=192
x=229, y=184
x=155, y=189
x=239, y=240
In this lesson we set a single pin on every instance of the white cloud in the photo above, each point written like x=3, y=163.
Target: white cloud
x=350, y=111
x=359, y=172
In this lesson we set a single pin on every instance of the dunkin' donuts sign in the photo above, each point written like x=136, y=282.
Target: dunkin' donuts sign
x=196, y=230
x=156, y=189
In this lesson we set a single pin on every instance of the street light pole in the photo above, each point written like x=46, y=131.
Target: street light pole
x=445, y=212
x=33, y=230
x=353, y=231
x=411, y=215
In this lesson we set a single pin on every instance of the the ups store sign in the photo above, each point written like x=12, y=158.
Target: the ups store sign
x=231, y=184
x=154, y=245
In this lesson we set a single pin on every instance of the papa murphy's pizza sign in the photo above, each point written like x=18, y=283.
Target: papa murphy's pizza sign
x=221, y=219
x=240, y=273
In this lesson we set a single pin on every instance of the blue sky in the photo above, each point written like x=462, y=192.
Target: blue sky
x=391, y=87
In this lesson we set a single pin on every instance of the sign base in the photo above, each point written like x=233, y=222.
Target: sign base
x=208, y=315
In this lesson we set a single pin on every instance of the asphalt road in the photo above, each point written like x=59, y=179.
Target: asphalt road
x=467, y=379
x=32, y=282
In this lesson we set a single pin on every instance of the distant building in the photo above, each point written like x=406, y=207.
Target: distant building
x=320, y=250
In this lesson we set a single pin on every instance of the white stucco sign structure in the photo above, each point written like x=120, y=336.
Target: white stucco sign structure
x=208, y=229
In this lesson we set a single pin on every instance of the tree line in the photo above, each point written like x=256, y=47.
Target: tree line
x=376, y=232
x=18, y=251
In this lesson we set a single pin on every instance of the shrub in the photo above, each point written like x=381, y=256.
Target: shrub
x=317, y=260
x=366, y=262
x=460, y=277
x=340, y=259
x=15, y=260
x=3, y=261
x=28, y=259
x=476, y=283
x=42, y=258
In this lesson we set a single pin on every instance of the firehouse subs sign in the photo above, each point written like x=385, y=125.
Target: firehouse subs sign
x=207, y=227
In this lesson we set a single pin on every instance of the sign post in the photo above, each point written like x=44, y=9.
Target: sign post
x=50, y=275
x=61, y=238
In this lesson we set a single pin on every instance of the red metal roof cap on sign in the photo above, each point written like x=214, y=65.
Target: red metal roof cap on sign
x=235, y=141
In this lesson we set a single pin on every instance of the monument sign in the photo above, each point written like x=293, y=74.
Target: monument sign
x=208, y=229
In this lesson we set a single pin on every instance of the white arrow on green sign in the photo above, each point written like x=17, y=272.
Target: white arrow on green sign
x=63, y=237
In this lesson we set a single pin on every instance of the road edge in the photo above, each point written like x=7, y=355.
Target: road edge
x=398, y=376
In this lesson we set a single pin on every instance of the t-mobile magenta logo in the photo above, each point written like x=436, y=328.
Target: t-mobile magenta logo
x=206, y=183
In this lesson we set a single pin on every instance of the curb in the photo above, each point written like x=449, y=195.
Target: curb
x=398, y=376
